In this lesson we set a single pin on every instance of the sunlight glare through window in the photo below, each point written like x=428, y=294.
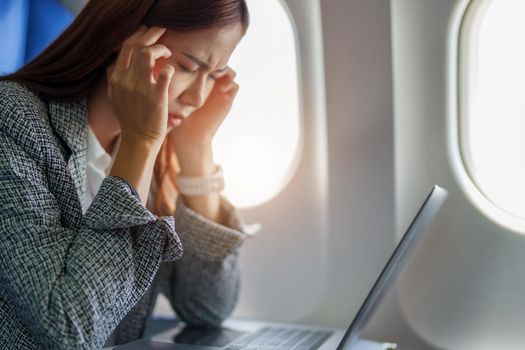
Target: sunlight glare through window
x=258, y=143
x=493, y=134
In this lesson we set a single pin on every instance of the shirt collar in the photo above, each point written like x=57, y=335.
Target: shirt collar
x=96, y=154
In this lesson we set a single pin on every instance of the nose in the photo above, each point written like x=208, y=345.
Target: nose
x=195, y=94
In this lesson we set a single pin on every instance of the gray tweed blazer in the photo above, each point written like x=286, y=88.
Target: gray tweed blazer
x=68, y=280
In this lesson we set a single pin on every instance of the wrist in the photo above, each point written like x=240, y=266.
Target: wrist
x=196, y=162
x=197, y=170
x=134, y=163
x=141, y=142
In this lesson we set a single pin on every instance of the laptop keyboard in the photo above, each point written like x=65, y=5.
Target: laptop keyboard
x=271, y=338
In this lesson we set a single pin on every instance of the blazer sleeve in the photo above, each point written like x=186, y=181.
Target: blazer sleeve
x=71, y=287
x=204, y=284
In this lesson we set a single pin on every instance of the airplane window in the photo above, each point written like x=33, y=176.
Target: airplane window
x=492, y=101
x=258, y=143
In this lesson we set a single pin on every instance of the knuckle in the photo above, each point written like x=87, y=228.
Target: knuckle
x=146, y=51
x=146, y=54
x=137, y=48
x=169, y=69
x=163, y=74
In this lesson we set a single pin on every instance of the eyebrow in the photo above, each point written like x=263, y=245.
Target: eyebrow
x=202, y=64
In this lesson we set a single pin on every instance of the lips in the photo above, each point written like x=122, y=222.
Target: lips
x=175, y=120
x=178, y=115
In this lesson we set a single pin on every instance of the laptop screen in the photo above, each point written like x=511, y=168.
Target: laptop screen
x=404, y=248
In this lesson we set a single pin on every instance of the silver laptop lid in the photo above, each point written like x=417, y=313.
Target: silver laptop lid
x=404, y=248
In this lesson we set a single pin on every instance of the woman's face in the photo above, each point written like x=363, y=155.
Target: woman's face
x=199, y=58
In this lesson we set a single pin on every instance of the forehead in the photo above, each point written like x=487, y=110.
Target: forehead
x=213, y=46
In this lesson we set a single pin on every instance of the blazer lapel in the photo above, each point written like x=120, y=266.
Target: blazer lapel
x=69, y=121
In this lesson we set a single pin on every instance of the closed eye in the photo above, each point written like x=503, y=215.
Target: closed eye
x=186, y=69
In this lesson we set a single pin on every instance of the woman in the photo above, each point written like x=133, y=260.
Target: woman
x=83, y=254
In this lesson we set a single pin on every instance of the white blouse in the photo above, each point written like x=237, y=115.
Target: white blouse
x=99, y=164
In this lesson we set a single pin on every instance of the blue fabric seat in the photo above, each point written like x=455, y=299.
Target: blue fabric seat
x=30, y=26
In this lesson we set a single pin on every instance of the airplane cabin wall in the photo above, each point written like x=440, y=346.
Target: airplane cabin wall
x=361, y=176
x=359, y=232
x=464, y=287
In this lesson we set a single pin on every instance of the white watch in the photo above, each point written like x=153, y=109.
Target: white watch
x=196, y=186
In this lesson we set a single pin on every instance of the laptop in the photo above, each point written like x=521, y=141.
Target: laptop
x=239, y=334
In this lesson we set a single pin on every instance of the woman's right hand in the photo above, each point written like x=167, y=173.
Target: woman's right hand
x=140, y=102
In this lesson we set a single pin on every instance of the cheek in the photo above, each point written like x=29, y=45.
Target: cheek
x=209, y=88
x=178, y=84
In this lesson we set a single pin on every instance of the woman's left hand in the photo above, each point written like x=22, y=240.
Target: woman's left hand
x=192, y=139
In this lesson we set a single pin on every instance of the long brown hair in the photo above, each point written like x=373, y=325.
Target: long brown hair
x=69, y=68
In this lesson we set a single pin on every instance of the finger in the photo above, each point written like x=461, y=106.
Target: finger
x=124, y=56
x=226, y=80
x=228, y=99
x=164, y=79
x=232, y=91
x=139, y=31
x=126, y=50
x=151, y=36
x=226, y=87
x=146, y=60
x=231, y=73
